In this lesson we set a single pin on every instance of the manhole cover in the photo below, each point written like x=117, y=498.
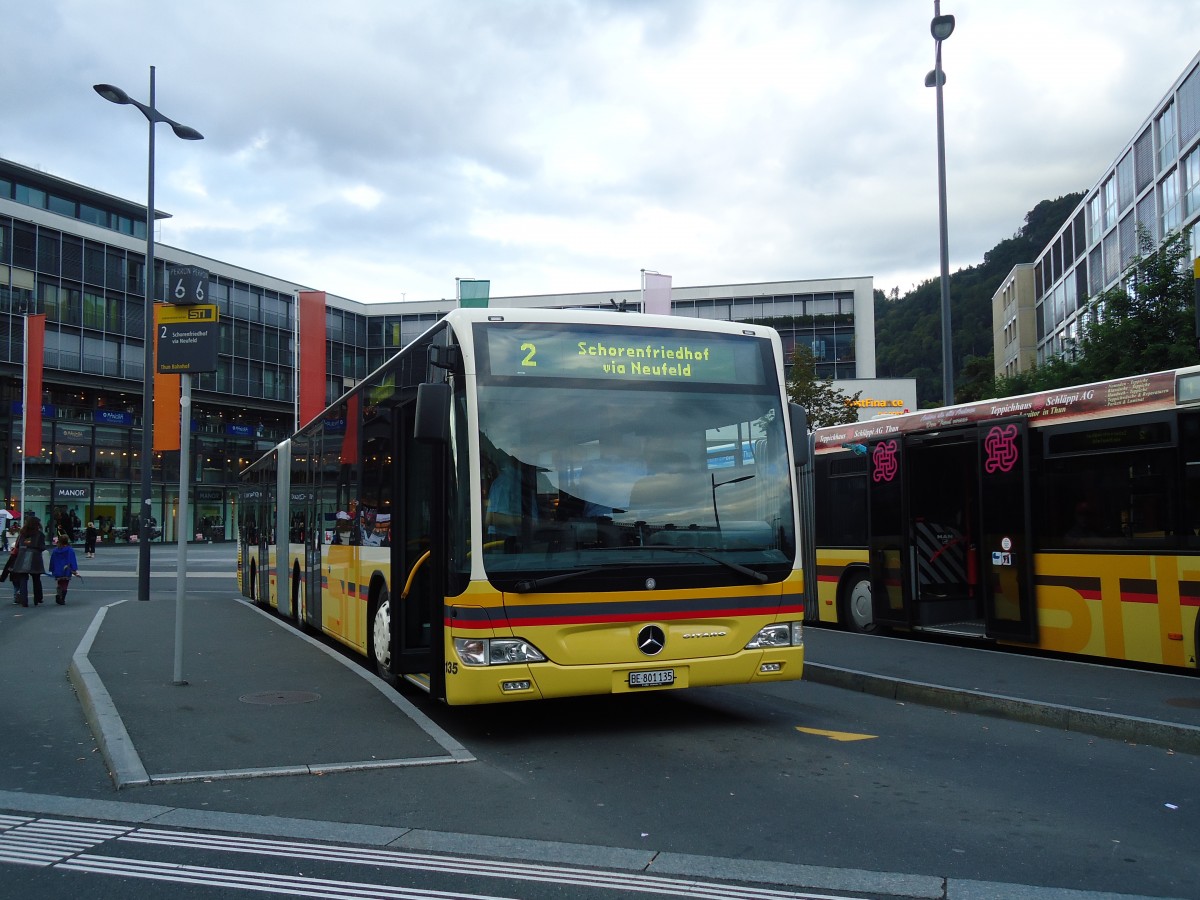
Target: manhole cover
x=1186, y=702
x=279, y=698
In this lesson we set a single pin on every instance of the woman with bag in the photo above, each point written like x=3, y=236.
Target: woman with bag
x=31, y=544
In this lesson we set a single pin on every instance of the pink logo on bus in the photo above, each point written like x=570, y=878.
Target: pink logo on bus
x=1001, y=448
x=884, y=457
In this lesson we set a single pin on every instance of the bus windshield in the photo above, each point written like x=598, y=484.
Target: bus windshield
x=585, y=473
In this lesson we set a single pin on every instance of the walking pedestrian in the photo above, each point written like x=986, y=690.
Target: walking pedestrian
x=31, y=544
x=89, y=540
x=5, y=518
x=10, y=559
x=63, y=565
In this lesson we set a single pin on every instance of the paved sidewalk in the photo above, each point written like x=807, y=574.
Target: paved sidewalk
x=249, y=706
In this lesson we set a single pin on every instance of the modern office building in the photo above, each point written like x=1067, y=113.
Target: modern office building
x=77, y=256
x=1153, y=183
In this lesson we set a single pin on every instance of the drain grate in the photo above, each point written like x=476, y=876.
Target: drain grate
x=279, y=698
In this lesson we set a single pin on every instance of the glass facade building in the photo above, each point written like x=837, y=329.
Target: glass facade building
x=77, y=255
x=1152, y=185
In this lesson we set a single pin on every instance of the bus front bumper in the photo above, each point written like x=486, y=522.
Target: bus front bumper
x=544, y=680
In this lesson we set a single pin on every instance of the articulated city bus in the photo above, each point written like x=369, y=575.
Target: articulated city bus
x=525, y=504
x=1065, y=521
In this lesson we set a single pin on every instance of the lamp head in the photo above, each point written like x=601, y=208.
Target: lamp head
x=935, y=78
x=112, y=93
x=941, y=27
x=187, y=132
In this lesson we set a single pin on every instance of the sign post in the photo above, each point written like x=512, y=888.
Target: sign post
x=187, y=343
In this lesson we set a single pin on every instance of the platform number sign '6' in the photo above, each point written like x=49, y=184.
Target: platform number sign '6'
x=188, y=285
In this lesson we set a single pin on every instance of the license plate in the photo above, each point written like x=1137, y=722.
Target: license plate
x=652, y=678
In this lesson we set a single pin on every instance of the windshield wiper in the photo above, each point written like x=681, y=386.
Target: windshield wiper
x=529, y=585
x=752, y=574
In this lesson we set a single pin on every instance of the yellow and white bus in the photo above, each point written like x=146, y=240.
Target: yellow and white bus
x=1067, y=521
x=526, y=504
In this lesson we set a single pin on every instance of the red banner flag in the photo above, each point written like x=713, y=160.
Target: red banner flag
x=31, y=403
x=310, y=318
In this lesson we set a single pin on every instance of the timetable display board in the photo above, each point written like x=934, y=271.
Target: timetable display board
x=627, y=354
x=187, y=338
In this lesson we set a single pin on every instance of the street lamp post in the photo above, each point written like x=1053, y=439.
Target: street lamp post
x=941, y=28
x=114, y=94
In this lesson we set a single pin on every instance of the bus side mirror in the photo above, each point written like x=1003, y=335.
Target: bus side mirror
x=800, y=442
x=431, y=424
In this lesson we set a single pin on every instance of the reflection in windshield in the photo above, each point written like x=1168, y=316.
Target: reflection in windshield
x=580, y=476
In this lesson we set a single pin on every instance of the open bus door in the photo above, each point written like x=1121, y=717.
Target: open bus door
x=949, y=534
x=887, y=530
x=1005, y=536
x=417, y=589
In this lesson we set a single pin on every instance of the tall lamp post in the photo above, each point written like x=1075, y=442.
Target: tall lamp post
x=114, y=94
x=941, y=28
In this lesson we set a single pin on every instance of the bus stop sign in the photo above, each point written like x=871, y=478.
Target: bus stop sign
x=187, y=339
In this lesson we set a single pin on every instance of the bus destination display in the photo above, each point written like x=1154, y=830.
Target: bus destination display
x=633, y=354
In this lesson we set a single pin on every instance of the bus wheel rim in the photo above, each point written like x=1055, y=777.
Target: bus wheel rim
x=860, y=604
x=382, y=633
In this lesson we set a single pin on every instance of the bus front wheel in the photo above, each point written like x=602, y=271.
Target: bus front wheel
x=381, y=637
x=856, y=604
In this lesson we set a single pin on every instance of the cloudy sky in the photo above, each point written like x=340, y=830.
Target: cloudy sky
x=377, y=149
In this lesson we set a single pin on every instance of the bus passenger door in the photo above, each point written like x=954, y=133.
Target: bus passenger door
x=1005, y=552
x=891, y=596
x=416, y=560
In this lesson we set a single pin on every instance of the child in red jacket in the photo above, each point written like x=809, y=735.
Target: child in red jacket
x=63, y=565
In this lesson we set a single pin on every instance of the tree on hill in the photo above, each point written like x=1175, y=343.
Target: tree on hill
x=825, y=404
x=1147, y=323
x=908, y=330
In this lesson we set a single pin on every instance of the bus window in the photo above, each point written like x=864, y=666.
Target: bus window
x=841, y=501
x=1114, y=499
x=1189, y=449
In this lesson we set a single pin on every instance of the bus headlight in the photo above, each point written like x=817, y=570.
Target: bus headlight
x=781, y=634
x=496, y=651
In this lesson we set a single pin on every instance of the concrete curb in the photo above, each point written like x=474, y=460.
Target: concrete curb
x=1135, y=730
x=124, y=764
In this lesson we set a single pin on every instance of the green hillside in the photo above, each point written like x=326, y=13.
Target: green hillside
x=908, y=329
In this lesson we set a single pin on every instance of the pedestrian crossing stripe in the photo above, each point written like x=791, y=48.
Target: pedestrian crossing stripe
x=837, y=735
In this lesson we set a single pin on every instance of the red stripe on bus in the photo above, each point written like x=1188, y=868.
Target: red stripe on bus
x=1137, y=597
x=501, y=621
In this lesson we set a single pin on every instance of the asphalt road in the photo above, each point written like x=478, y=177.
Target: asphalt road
x=798, y=773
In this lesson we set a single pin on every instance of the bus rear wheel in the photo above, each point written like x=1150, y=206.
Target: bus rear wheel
x=381, y=637
x=856, y=604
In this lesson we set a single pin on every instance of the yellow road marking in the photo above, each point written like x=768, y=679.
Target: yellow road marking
x=837, y=735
